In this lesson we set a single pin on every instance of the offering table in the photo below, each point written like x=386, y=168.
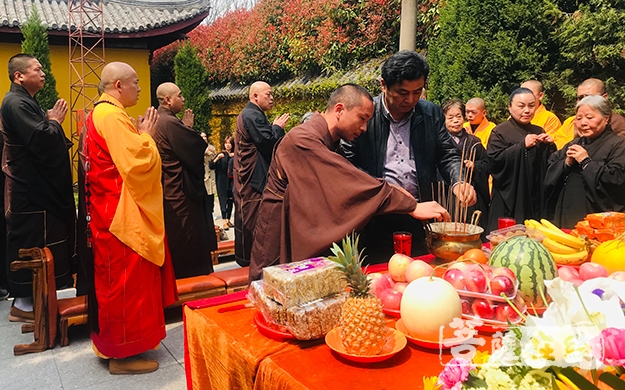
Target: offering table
x=226, y=351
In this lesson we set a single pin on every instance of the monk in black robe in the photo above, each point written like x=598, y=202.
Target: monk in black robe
x=254, y=140
x=191, y=236
x=39, y=209
x=314, y=196
x=517, y=154
x=588, y=174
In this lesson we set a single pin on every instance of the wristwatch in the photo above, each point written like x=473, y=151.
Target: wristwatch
x=585, y=163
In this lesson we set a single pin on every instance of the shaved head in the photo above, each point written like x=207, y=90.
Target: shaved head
x=533, y=85
x=116, y=75
x=258, y=87
x=261, y=95
x=166, y=90
x=591, y=87
x=477, y=102
x=475, y=110
x=536, y=87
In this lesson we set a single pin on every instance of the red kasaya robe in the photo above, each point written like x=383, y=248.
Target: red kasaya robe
x=124, y=202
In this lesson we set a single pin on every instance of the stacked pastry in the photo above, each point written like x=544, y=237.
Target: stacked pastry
x=305, y=297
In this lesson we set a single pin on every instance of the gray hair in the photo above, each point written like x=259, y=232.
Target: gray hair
x=597, y=103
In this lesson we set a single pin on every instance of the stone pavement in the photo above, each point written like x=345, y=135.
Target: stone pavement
x=76, y=366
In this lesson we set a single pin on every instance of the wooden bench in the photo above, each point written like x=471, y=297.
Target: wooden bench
x=223, y=248
x=235, y=279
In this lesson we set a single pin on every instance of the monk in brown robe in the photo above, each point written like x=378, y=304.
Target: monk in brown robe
x=254, y=140
x=190, y=234
x=314, y=196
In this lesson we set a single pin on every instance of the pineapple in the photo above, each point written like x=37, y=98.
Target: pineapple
x=363, y=325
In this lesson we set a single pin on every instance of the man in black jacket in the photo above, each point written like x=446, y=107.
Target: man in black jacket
x=405, y=144
x=254, y=141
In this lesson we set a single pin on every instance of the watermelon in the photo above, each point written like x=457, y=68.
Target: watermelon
x=531, y=262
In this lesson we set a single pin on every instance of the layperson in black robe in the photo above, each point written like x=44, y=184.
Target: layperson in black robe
x=314, y=196
x=469, y=143
x=222, y=164
x=39, y=208
x=588, y=174
x=190, y=235
x=254, y=140
x=517, y=155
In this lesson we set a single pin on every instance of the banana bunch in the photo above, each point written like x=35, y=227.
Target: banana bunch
x=565, y=248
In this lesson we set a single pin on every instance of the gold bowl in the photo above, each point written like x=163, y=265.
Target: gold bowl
x=450, y=240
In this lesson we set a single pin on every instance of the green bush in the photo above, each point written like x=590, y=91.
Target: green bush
x=488, y=48
x=36, y=44
x=191, y=78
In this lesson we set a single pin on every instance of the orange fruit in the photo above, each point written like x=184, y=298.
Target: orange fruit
x=476, y=255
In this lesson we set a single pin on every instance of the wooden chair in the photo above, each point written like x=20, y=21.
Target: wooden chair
x=223, y=247
x=40, y=261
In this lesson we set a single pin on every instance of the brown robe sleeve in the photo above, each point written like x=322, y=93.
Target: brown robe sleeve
x=318, y=196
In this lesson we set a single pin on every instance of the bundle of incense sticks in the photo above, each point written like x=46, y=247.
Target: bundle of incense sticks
x=446, y=197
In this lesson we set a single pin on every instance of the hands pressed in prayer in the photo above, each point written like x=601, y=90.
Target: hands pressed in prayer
x=187, y=117
x=147, y=123
x=465, y=194
x=575, y=153
x=281, y=120
x=430, y=210
x=58, y=112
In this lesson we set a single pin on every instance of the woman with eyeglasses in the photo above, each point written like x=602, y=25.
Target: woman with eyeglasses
x=588, y=174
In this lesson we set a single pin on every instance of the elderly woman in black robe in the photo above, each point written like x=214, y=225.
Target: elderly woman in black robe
x=588, y=174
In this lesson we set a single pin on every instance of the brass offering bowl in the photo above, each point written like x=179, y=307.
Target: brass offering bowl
x=450, y=240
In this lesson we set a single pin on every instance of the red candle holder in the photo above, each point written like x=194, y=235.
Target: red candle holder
x=505, y=222
x=402, y=243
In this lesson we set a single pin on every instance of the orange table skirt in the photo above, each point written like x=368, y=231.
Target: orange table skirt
x=226, y=351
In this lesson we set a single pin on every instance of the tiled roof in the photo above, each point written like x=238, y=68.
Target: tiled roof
x=363, y=74
x=120, y=16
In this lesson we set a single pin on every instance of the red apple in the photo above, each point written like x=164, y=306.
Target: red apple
x=397, y=266
x=577, y=282
x=502, y=284
x=505, y=312
x=567, y=273
x=466, y=306
x=463, y=266
x=391, y=299
x=389, y=278
x=591, y=271
x=505, y=272
x=456, y=278
x=379, y=283
x=618, y=275
x=476, y=282
x=483, y=309
x=417, y=269
x=400, y=286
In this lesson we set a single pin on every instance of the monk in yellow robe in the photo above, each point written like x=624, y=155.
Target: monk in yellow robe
x=542, y=117
x=477, y=123
x=588, y=87
x=132, y=272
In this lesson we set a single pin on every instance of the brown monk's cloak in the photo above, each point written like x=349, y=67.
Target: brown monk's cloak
x=314, y=197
